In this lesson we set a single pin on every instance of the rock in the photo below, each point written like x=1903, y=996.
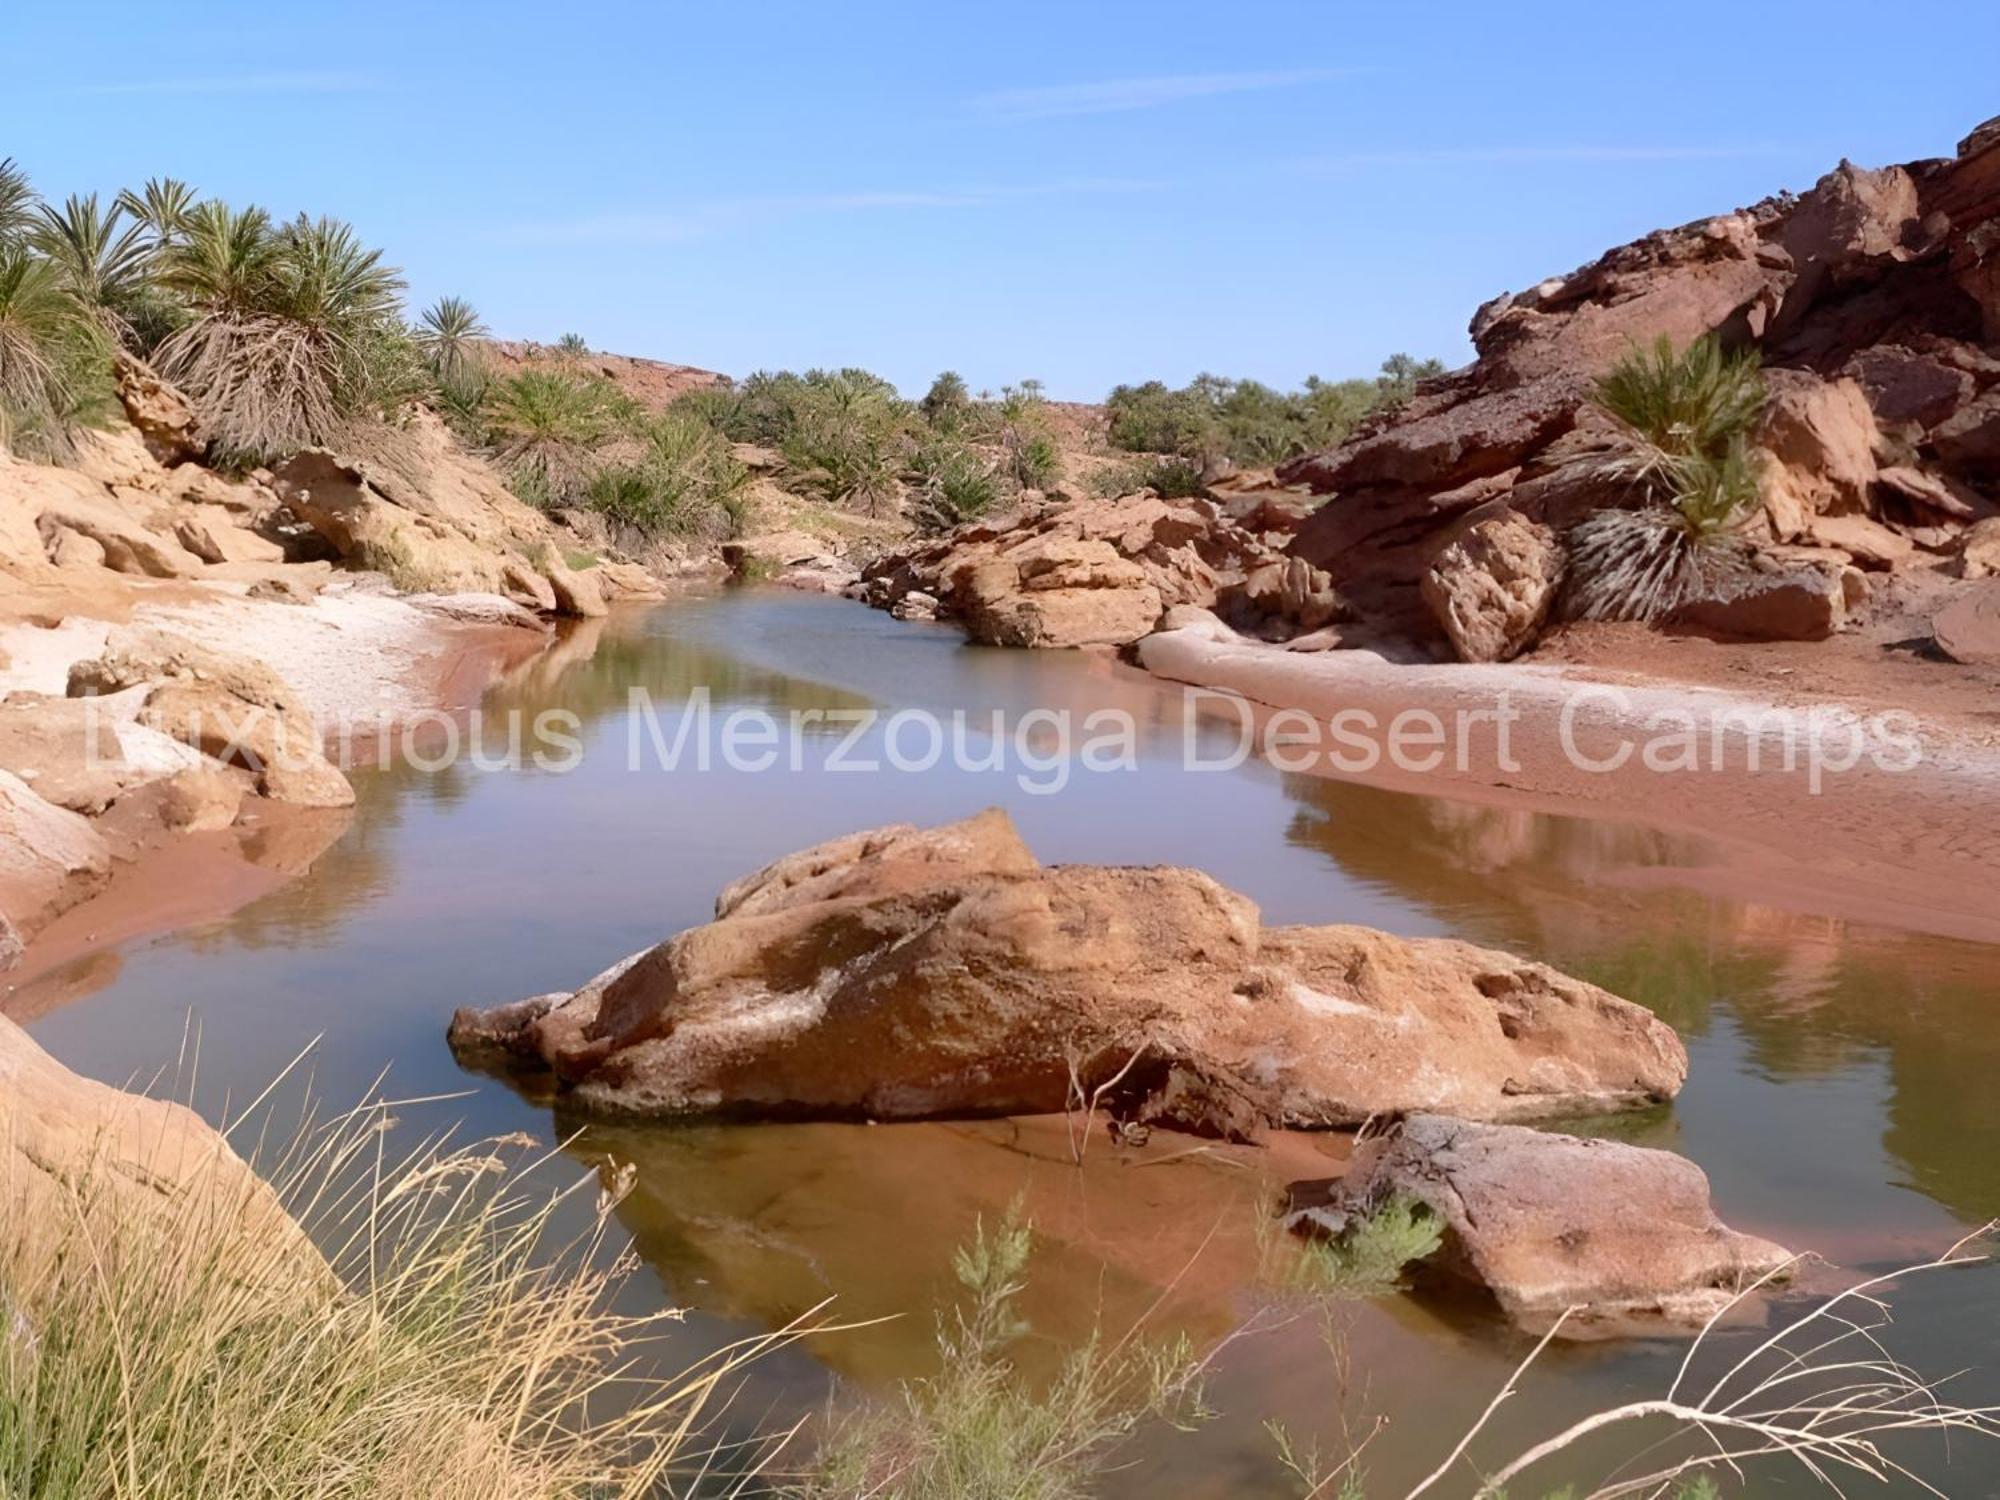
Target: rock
x=1968, y=443
x=75, y=551
x=822, y=574
x=1979, y=552
x=578, y=591
x=1945, y=497
x=165, y=418
x=50, y=859
x=128, y=546
x=1905, y=386
x=1547, y=1223
x=1821, y=438
x=1871, y=544
x=915, y=605
x=905, y=974
x=1968, y=629
x=479, y=609
x=1799, y=604
x=84, y=754
x=1101, y=572
x=219, y=542
x=69, y=1145
x=199, y=801
x=1493, y=588
x=230, y=708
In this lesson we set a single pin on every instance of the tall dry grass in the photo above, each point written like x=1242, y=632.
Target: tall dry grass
x=460, y=1340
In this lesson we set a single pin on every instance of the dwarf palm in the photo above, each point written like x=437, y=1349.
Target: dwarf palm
x=51, y=359
x=450, y=334
x=545, y=424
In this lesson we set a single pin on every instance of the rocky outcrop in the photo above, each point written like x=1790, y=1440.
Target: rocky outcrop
x=50, y=859
x=74, y=1149
x=232, y=709
x=1806, y=603
x=1621, y=1238
x=164, y=418
x=1874, y=300
x=1102, y=572
x=1968, y=629
x=904, y=974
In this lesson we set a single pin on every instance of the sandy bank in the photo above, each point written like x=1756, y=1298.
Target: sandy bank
x=1852, y=808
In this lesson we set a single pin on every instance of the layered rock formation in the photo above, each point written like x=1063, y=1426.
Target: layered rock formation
x=1102, y=572
x=904, y=974
x=1620, y=1238
x=1875, y=302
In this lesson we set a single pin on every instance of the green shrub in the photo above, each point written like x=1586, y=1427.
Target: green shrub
x=845, y=434
x=1251, y=423
x=686, y=482
x=1687, y=458
x=954, y=484
x=55, y=365
x=980, y=1430
x=1369, y=1257
x=546, y=426
x=1170, y=478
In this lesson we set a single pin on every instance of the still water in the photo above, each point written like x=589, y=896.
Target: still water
x=1844, y=1098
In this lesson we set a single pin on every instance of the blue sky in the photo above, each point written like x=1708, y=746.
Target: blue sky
x=1083, y=193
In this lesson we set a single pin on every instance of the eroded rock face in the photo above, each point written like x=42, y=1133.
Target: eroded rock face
x=904, y=974
x=50, y=859
x=1868, y=298
x=1102, y=573
x=1493, y=588
x=164, y=417
x=1548, y=1223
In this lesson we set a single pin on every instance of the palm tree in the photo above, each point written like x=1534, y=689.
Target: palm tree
x=48, y=351
x=287, y=322
x=105, y=268
x=450, y=334
x=18, y=202
x=163, y=207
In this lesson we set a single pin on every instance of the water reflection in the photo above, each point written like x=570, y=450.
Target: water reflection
x=1839, y=1097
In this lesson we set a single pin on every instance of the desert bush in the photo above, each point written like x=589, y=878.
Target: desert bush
x=845, y=436
x=1018, y=424
x=953, y=485
x=1369, y=1257
x=1171, y=478
x=1688, y=463
x=685, y=483
x=980, y=1429
x=1251, y=423
x=466, y=1347
x=547, y=426
x=573, y=346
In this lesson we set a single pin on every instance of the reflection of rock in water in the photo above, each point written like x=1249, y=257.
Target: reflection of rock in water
x=1815, y=997
x=765, y=1221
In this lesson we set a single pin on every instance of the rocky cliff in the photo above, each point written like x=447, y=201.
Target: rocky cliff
x=1874, y=300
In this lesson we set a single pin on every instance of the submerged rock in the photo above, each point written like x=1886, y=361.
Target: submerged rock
x=904, y=974
x=1621, y=1237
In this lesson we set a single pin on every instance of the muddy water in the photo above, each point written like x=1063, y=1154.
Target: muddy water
x=1843, y=1096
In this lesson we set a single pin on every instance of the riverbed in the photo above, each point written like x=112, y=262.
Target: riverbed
x=1842, y=1094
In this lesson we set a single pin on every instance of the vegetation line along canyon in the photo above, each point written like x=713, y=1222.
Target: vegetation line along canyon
x=1699, y=556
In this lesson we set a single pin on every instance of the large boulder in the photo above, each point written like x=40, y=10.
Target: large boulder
x=904, y=974
x=165, y=419
x=1621, y=1238
x=1968, y=628
x=1492, y=588
x=1804, y=603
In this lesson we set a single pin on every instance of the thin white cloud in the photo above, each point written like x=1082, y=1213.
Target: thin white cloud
x=721, y=216
x=1528, y=156
x=1119, y=95
x=303, y=82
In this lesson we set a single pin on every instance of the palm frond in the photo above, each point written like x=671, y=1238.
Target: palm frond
x=18, y=202
x=102, y=261
x=164, y=208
